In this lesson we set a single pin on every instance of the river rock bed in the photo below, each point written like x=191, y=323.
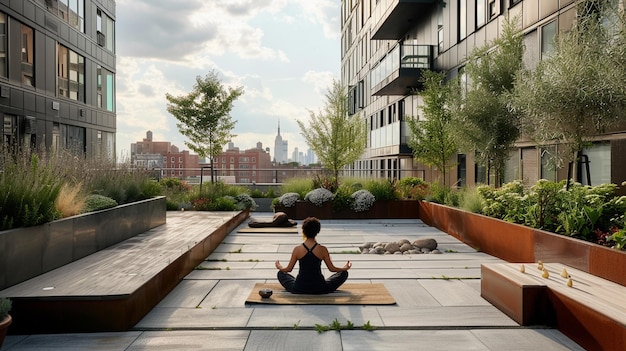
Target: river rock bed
x=401, y=247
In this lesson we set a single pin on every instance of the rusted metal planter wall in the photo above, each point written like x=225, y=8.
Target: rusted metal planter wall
x=28, y=252
x=516, y=243
x=379, y=210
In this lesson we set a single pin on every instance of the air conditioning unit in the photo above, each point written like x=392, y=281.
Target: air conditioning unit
x=30, y=125
x=102, y=39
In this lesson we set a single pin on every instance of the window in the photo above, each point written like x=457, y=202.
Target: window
x=253, y=159
x=70, y=11
x=480, y=13
x=105, y=30
x=180, y=159
x=440, y=30
x=71, y=74
x=462, y=19
x=165, y=159
x=173, y=159
x=548, y=33
x=105, y=89
x=3, y=44
x=27, y=56
x=493, y=9
x=232, y=160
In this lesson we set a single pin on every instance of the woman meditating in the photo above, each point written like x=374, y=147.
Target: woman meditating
x=310, y=254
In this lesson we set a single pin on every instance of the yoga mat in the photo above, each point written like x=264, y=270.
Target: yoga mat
x=347, y=294
x=269, y=230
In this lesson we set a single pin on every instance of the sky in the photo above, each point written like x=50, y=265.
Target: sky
x=284, y=53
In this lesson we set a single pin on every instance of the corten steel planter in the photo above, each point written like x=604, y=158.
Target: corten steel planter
x=28, y=252
x=4, y=326
x=517, y=243
x=394, y=209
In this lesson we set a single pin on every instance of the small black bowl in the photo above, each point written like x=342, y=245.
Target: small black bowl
x=265, y=293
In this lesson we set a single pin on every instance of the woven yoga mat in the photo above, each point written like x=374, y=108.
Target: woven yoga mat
x=348, y=294
x=269, y=230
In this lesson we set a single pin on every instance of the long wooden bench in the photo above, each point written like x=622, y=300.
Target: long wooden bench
x=112, y=289
x=591, y=312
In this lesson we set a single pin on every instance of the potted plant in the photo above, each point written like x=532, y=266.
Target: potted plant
x=5, y=318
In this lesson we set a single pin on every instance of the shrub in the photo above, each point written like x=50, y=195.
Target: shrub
x=319, y=196
x=326, y=181
x=382, y=189
x=288, y=199
x=225, y=203
x=5, y=307
x=412, y=188
x=343, y=198
x=96, y=202
x=244, y=201
x=362, y=200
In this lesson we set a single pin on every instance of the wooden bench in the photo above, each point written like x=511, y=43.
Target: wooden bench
x=592, y=312
x=112, y=289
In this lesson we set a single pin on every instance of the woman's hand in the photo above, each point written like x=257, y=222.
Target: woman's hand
x=278, y=265
x=347, y=266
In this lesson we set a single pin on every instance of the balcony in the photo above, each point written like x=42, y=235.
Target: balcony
x=399, y=17
x=400, y=71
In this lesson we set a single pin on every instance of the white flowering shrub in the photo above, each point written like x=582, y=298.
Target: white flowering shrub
x=288, y=199
x=362, y=200
x=243, y=201
x=319, y=196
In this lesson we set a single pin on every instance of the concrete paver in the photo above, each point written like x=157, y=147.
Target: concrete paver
x=438, y=301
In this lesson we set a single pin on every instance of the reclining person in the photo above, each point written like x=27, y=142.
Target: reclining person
x=310, y=255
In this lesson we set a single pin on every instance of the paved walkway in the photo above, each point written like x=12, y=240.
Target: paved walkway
x=438, y=301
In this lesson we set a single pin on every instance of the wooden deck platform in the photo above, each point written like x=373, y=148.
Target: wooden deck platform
x=592, y=311
x=111, y=290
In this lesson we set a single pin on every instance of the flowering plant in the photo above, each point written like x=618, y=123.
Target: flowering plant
x=319, y=196
x=363, y=200
x=288, y=199
x=244, y=201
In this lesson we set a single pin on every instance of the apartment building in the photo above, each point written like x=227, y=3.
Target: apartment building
x=245, y=166
x=165, y=157
x=57, y=75
x=385, y=46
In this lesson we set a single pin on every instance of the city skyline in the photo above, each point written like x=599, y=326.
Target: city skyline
x=285, y=53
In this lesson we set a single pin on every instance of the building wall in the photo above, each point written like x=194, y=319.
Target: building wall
x=451, y=37
x=37, y=110
x=247, y=166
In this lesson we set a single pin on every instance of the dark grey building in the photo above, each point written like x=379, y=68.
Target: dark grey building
x=387, y=43
x=57, y=75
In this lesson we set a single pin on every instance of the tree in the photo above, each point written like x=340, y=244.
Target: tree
x=336, y=138
x=484, y=118
x=433, y=141
x=578, y=92
x=204, y=115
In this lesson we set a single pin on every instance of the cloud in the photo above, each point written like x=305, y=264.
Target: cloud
x=182, y=31
x=324, y=13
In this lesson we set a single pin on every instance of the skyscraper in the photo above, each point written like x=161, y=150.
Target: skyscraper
x=280, y=148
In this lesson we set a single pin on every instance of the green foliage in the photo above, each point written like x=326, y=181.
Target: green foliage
x=95, y=202
x=471, y=200
x=204, y=115
x=328, y=182
x=619, y=238
x=29, y=186
x=301, y=186
x=343, y=198
x=5, y=307
x=367, y=326
x=583, y=212
x=336, y=325
x=443, y=195
x=337, y=138
x=382, y=189
x=578, y=91
x=484, y=118
x=433, y=140
x=412, y=188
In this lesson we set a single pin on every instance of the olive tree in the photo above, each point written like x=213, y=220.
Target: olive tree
x=337, y=138
x=578, y=92
x=204, y=115
x=485, y=121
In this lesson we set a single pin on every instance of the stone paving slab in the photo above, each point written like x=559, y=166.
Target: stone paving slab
x=301, y=340
x=445, y=317
x=302, y=316
x=194, y=318
x=434, y=310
